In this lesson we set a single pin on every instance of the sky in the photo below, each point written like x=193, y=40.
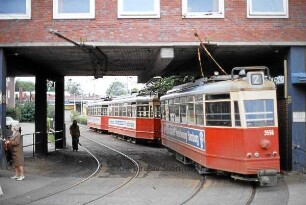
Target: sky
x=89, y=85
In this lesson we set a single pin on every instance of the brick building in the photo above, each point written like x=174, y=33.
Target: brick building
x=156, y=37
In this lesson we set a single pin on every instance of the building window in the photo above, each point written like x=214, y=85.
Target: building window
x=15, y=9
x=267, y=9
x=138, y=8
x=203, y=8
x=73, y=9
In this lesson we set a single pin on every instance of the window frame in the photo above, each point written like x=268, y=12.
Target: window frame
x=186, y=14
x=124, y=14
x=251, y=14
x=90, y=15
x=26, y=15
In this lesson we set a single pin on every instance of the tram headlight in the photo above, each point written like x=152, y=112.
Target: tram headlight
x=256, y=154
x=275, y=154
x=249, y=155
x=265, y=144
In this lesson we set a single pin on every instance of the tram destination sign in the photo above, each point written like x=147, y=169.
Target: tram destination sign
x=190, y=136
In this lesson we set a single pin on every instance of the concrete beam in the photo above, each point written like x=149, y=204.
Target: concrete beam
x=164, y=58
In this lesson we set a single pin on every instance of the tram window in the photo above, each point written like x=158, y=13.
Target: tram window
x=110, y=110
x=259, y=113
x=124, y=111
x=183, y=113
x=134, y=111
x=199, y=110
x=218, y=114
x=120, y=107
x=142, y=111
x=157, y=111
x=237, y=114
x=151, y=111
x=190, y=99
x=171, y=112
x=176, y=113
x=129, y=111
x=183, y=100
x=167, y=111
x=163, y=111
x=217, y=97
x=116, y=110
x=104, y=111
x=190, y=113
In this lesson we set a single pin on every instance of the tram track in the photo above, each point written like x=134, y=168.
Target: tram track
x=42, y=193
x=195, y=191
x=252, y=196
x=122, y=185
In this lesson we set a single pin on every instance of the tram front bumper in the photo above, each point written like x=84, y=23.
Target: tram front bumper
x=267, y=177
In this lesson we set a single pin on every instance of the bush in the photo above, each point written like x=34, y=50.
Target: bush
x=82, y=119
x=27, y=111
x=14, y=113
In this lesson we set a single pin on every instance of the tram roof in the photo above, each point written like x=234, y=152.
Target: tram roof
x=127, y=99
x=220, y=87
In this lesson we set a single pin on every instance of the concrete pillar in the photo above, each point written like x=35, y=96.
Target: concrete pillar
x=297, y=108
x=41, y=139
x=2, y=106
x=59, y=113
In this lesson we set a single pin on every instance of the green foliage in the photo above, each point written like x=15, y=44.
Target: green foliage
x=51, y=111
x=134, y=90
x=27, y=110
x=82, y=119
x=116, y=89
x=49, y=123
x=14, y=113
x=164, y=84
x=73, y=88
x=26, y=85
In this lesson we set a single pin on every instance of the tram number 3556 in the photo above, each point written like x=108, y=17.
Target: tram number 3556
x=269, y=132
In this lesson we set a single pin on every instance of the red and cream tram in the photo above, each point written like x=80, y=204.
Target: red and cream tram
x=135, y=117
x=97, y=117
x=225, y=124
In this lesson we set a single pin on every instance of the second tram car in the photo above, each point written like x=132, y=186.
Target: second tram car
x=97, y=117
x=225, y=124
x=136, y=117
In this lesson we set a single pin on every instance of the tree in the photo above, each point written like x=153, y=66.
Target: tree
x=116, y=89
x=134, y=90
x=27, y=111
x=26, y=86
x=164, y=84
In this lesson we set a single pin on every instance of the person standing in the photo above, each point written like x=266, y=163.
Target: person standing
x=15, y=144
x=75, y=134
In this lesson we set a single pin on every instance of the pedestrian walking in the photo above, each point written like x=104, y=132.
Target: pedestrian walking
x=75, y=134
x=15, y=145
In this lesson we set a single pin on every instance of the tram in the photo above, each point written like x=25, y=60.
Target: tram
x=136, y=117
x=97, y=117
x=225, y=124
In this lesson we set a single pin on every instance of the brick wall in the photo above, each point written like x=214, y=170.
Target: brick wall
x=170, y=27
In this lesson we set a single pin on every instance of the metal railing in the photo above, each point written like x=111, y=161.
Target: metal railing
x=36, y=143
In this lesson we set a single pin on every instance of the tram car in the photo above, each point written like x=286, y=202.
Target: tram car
x=225, y=124
x=136, y=117
x=97, y=117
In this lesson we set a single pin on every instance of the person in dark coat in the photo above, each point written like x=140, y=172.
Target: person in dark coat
x=15, y=144
x=75, y=134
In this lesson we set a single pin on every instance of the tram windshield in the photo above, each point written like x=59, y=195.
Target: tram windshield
x=259, y=113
